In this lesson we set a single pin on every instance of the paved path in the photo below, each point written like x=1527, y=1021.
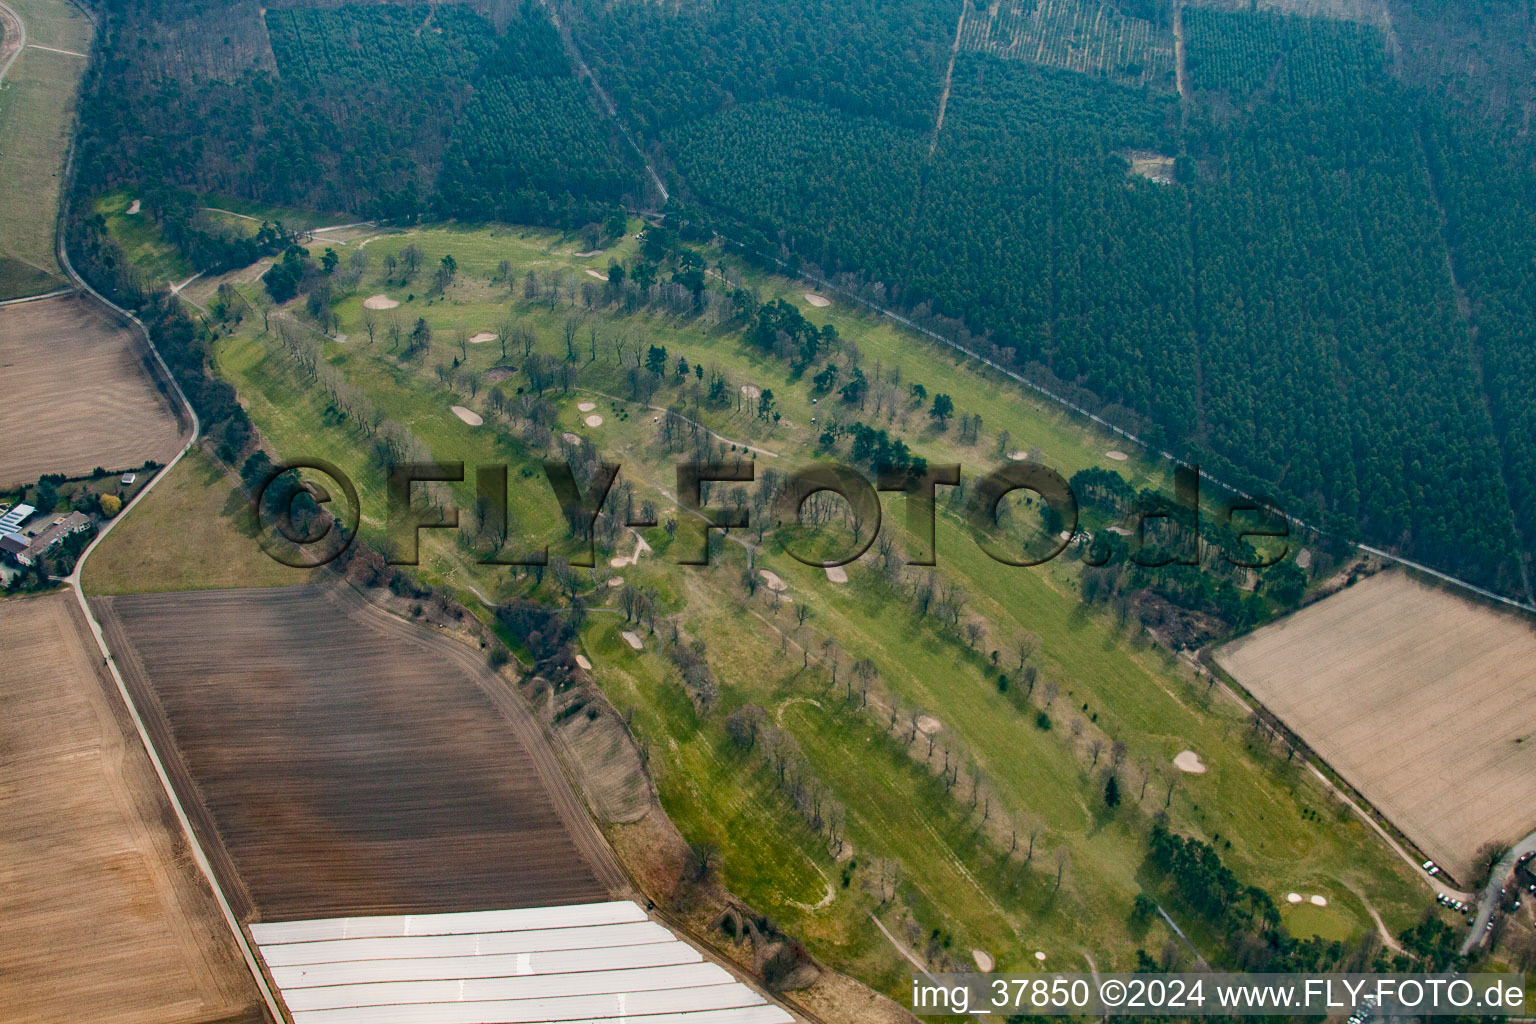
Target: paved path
x=1493, y=890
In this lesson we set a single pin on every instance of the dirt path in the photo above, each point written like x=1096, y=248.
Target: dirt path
x=1381, y=926
x=15, y=38
x=949, y=75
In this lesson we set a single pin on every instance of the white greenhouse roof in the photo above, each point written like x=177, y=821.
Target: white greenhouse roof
x=578, y=964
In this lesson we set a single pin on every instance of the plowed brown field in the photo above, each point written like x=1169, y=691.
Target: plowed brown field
x=349, y=762
x=103, y=918
x=1422, y=701
x=77, y=395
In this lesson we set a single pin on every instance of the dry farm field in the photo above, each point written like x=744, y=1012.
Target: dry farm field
x=103, y=917
x=350, y=763
x=1424, y=702
x=77, y=394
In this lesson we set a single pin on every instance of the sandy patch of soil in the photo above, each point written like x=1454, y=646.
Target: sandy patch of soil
x=772, y=580
x=633, y=639
x=482, y=338
x=1118, y=456
x=837, y=574
x=469, y=416
x=1152, y=165
x=594, y=420
x=1189, y=761
x=587, y=255
x=751, y=391
x=928, y=725
x=380, y=301
x=1304, y=558
x=499, y=373
x=817, y=300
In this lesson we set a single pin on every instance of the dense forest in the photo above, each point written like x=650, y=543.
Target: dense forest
x=394, y=111
x=1323, y=297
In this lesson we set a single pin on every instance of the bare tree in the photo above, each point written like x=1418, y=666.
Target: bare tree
x=1063, y=859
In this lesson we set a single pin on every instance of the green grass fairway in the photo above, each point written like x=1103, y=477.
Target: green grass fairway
x=962, y=884
x=140, y=239
x=37, y=105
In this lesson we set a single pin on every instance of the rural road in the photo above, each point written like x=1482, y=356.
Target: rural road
x=199, y=855
x=1493, y=890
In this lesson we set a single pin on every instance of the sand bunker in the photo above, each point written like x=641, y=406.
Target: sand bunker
x=1189, y=761
x=1018, y=456
x=581, y=659
x=817, y=300
x=469, y=416
x=616, y=582
x=589, y=253
x=1117, y=456
x=593, y=421
x=772, y=580
x=1318, y=901
x=571, y=438
x=1040, y=955
x=618, y=562
x=1293, y=897
x=597, y=274
x=482, y=338
x=134, y=207
x=983, y=959
x=631, y=638
x=586, y=406
x=751, y=390
x=380, y=301
x=1120, y=531
x=928, y=725
x=1304, y=558
x=837, y=574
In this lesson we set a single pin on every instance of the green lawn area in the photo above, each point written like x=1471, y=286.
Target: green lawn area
x=140, y=239
x=37, y=104
x=193, y=531
x=1270, y=820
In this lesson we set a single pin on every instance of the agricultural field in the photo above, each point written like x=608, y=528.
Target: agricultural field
x=963, y=869
x=105, y=917
x=37, y=106
x=78, y=395
x=1419, y=699
x=350, y=763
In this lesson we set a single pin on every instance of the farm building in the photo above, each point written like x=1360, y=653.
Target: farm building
x=13, y=518
x=34, y=547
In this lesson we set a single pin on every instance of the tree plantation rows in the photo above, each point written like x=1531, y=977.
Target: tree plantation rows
x=1282, y=312
x=1300, y=59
